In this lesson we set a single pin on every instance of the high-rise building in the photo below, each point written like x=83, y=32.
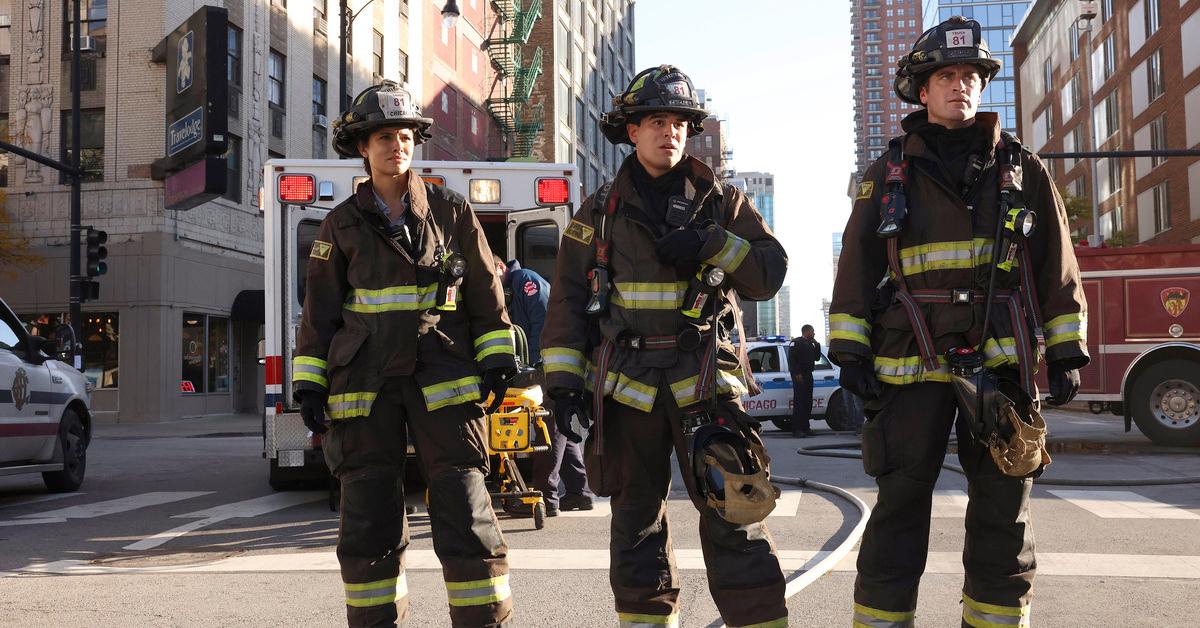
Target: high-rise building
x=182, y=285
x=837, y=256
x=881, y=32
x=998, y=20
x=1140, y=90
x=763, y=316
x=587, y=54
x=783, y=302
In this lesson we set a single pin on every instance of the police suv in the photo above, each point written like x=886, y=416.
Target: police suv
x=45, y=423
x=769, y=364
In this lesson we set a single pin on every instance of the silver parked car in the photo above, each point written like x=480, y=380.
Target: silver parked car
x=45, y=417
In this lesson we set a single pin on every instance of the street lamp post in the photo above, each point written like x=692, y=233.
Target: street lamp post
x=1083, y=24
x=450, y=15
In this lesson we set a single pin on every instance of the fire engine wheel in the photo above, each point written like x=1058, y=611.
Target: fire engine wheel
x=72, y=438
x=1166, y=403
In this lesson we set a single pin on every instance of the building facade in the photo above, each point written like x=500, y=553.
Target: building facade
x=1129, y=83
x=881, y=32
x=763, y=318
x=175, y=330
x=998, y=20
x=587, y=50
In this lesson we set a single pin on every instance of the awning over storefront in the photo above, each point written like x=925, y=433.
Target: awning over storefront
x=249, y=305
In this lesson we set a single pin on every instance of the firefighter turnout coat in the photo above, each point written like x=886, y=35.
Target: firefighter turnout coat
x=646, y=294
x=946, y=246
x=369, y=308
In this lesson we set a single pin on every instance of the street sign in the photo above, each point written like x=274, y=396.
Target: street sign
x=197, y=108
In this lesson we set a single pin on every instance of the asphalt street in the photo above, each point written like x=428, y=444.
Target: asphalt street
x=175, y=526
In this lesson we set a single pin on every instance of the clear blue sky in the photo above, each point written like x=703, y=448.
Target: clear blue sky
x=781, y=77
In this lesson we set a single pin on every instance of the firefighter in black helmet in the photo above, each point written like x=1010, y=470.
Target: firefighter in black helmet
x=404, y=335
x=639, y=316
x=945, y=215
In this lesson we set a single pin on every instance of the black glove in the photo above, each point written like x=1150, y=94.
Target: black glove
x=859, y=378
x=571, y=415
x=495, y=381
x=312, y=410
x=681, y=248
x=1064, y=383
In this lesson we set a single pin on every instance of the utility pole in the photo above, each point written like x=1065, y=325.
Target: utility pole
x=1086, y=16
x=343, y=35
x=76, y=185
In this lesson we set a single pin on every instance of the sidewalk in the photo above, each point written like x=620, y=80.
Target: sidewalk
x=216, y=425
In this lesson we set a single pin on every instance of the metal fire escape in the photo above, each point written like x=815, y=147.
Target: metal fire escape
x=519, y=122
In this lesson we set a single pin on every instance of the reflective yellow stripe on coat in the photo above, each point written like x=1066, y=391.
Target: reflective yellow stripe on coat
x=983, y=615
x=649, y=295
x=462, y=390
x=492, y=343
x=1065, y=328
x=852, y=328
x=351, y=404
x=946, y=255
x=307, y=369
x=563, y=360
x=732, y=253
x=909, y=370
x=393, y=299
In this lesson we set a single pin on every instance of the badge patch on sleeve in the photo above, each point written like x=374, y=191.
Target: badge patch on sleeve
x=321, y=250
x=579, y=232
x=865, y=190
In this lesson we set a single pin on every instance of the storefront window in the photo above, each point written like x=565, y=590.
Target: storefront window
x=101, y=342
x=205, y=354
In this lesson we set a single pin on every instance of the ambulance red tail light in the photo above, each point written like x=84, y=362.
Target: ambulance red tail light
x=553, y=191
x=435, y=179
x=297, y=189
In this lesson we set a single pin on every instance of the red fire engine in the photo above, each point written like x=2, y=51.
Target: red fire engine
x=1143, y=333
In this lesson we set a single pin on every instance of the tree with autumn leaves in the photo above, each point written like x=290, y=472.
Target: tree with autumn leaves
x=14, y=247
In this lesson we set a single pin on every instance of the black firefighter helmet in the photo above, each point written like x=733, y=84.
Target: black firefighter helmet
x=378, y=106
x=956, y=41
x=732, y=472
x=662, y=88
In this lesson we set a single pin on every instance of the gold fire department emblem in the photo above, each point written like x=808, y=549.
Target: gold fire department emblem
x=20, y=389
x=1175, y=300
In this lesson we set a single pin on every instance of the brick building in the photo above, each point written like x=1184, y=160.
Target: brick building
x=712, y=146
x=587, y=53
x=1139, y=90
x=881, y=32
x=181, y=304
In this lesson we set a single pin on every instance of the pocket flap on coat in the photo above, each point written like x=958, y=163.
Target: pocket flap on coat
x=345, y=346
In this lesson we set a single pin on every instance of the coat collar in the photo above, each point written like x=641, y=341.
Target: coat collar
x=914, y=145
x=699, y=179
x=418, y=200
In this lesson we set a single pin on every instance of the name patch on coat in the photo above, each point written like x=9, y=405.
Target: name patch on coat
x=321, y=250
x=865, y=190
x=579, y=232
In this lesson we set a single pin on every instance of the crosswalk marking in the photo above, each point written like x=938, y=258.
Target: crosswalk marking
x=1123, y=505
x=787, y=505
x=1049, y=563
x=104, y=508
x=951, y=504
x=247, y=508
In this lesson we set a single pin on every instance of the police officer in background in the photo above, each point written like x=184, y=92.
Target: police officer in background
x=640, y=316
x=953, y=260
x=404, y=334
x=802, y=358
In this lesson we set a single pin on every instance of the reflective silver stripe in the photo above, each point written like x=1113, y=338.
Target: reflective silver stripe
x=564, y=360
x=1065, y=328
x=500, y=341
x=466, y=388
x=645, y=620
x=394, y=298
x=479, y=592
x=867, y=617
x=847, y=327
x=649, y=295
x=983, y=615
x=732, y=253
x=349, y=405
x=376, y=593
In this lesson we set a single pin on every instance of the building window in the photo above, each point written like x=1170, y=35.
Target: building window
x=1106, y=118
x=1075, y=94
x=1073, y=41
x=101, y=342
x=319, y=9
x=1106, y=10
x=276, y=71
x=1109, y=173
x=91, y=144
x=1112, y=222
x=319, y=107
x=1048, y=76
x=402, y=66
x=233, y=53
x=5, y=29
x=1154, y=75
x=377, y=52
x=93, y=21
x=318, y=96
x=445, y=102
x=1162, y=210
x=205, y=354
x=233, y=170
x=1152, y=19
x=1109, y=58
x=1158, y=139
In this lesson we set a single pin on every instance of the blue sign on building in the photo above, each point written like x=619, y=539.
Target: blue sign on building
x=185, y=131
x=184, y=63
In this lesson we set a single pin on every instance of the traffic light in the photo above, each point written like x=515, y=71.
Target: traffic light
x=96, y=252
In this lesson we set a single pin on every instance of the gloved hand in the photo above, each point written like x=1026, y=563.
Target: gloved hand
x=495, y=382
x=1064, y=383
x=570, y=415
x=312, y=411
x=859, y=378
x=681, y=247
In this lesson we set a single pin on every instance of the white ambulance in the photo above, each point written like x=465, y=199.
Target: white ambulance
x=523, y=208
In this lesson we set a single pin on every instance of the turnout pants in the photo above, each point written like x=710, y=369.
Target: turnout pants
x=563, y=461
x=366, y=454
x=904, y=445
x=634, y=468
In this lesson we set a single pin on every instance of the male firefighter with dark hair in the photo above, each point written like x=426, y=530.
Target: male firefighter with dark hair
x=637, y=344
x=959, y=250
x=404, y=334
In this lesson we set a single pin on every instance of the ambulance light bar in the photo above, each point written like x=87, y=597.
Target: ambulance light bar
x=297, y=189
x=553, y=191
x=485, y=191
